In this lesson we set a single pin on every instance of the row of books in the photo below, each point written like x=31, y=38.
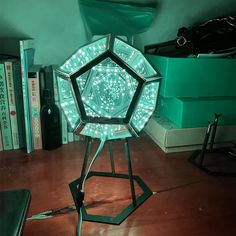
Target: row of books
x=50, y=82
x=21, y=86
x=10, y=114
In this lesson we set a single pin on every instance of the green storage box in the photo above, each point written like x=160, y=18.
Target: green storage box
x=196, y=112
x=196, y=77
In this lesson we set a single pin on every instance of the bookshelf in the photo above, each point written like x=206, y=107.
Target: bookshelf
x=21, y=97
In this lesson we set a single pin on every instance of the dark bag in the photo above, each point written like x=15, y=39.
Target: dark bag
x=213, y=35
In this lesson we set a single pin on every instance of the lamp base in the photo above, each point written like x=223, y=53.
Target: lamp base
x=76, y=186
x=118, y=219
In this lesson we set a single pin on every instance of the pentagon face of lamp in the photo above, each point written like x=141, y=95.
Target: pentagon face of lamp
x=107, y=89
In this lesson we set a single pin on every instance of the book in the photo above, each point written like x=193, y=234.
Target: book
x=55, y=88
x=4, y=111
x=62, y=98
x=64, y=126
x=34, y=100
x=19, y=103
x=70, y=136
x=12, y=102
x=27, y=58
x=1, y=147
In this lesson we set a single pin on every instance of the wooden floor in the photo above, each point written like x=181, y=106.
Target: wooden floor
x=187, y=201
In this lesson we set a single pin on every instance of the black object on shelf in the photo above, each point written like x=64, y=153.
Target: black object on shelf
x=50, y=121
x=210, y=36
x=14, y=207
x=199, y=157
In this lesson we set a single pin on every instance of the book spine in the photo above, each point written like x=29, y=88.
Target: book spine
x=34, y=98
x=4, y=112
x=55, y=88
x=64, y=125
x=1, y=147
x=26, y=55
x=19, y=103
x=12, y=104
x=70, y=137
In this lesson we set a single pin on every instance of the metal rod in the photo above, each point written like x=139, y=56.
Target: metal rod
x=86, y=156
x=111, y=157
x=214, y=131
x=131, y=179
x=204, y=147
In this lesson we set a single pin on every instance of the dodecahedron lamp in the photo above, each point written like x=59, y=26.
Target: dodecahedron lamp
x=108, y=89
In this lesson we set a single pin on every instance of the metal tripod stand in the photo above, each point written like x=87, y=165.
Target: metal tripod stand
x=75, y=186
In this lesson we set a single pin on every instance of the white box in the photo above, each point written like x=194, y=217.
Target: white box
x=173, y=139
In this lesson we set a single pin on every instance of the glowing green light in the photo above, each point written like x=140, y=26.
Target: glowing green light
x=82, y=56
x=67, y=102
x=108, y=89
x=133, y=58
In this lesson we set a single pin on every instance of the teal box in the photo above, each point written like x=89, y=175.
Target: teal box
x=196, y=112
x=196, y=77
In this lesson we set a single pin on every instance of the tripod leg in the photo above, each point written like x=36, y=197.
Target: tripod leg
x=131, y=179
x=204, y=147
x=111, y=157
x=214, y=131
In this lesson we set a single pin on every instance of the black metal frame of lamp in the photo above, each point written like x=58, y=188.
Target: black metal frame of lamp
x=136, y=200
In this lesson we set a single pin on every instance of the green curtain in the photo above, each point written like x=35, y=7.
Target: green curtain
x=117, y=17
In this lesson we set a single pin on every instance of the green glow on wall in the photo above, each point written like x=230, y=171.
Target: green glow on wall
x=107, y=89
